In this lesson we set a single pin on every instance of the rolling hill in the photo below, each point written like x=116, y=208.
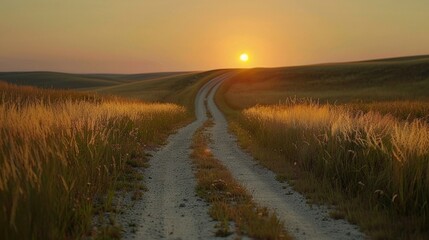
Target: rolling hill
x=59, y=80
x=374, y=80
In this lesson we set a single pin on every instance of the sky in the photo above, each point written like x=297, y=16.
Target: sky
x=136, y=36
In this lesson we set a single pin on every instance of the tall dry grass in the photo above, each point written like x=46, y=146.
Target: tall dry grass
x=401, y=109
x=60, y=152
x=376, y=157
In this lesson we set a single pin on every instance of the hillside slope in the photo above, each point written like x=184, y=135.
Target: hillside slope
x=382, y=79
x=58, y=80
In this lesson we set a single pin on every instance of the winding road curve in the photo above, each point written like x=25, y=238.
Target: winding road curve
x=171, y=210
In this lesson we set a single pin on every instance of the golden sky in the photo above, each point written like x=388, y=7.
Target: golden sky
x=130, y=36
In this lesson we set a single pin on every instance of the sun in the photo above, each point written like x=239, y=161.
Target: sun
x=244, y=57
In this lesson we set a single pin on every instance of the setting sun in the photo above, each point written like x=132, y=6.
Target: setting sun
x=244, y=57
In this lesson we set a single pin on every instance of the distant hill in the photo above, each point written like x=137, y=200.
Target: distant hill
x=400, y=59
x=380, y=79
x=363, y=73
x=59, y=80
x=165, y=89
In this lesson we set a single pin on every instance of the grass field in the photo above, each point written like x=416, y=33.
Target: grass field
x=365, y=152
x=63, y=154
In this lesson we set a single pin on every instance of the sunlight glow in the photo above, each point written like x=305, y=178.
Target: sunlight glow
x=244, y=57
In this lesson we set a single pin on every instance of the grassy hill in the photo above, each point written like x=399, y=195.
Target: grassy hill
x=58, y=80
x=167, y=88
x=382, y=79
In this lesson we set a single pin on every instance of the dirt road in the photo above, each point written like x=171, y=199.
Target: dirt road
x=170, y=209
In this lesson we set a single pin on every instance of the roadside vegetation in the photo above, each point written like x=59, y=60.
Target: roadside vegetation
x=228, y=199
x=361, y=144
x=377, y=160
x=64, y=154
